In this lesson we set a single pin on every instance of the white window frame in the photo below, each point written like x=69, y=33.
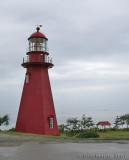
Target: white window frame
x=51, y=123
x=27, y=78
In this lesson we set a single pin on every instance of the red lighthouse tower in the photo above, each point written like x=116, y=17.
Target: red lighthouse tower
x=36, y=112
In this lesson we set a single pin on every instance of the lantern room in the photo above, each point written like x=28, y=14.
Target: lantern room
x=38, y=42
x=37, y=52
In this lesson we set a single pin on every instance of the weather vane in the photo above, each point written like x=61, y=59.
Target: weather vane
x=38, y=27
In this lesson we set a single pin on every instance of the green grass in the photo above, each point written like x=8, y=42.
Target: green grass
x=114, y=134
x=103, y=135
x=29, y=134
x=36, y=135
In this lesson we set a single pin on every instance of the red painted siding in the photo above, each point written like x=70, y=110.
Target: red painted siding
x=37, y=104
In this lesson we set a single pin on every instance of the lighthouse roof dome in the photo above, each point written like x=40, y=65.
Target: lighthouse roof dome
x=37, y=34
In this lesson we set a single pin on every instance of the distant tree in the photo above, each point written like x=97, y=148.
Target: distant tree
x=4, y=120
x=83, y=122
x=117, y=122
x=122, y=120
x=89, y=122
x=125, y=119
x=73, y=124
x=86, y=122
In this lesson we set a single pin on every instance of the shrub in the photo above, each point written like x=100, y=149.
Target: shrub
x=61, y=128
x=11, y=129
x=125, y=129
x=95, y=129
x=88, y=134
x=70, y=133
x=114, y=129
x=104, y=130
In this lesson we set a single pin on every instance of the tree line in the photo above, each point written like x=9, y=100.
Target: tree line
x=74, y=124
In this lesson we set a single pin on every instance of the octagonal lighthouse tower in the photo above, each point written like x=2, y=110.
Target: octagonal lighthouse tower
x=36, y=113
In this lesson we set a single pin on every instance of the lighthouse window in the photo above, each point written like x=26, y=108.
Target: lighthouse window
x=27, y=78
x=45, y=46
x=45, y=58
x=42, y=57
x=38, y=47
x=38, y=44
x=51, y=122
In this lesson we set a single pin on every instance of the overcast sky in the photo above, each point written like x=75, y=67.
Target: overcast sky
x=88, y=41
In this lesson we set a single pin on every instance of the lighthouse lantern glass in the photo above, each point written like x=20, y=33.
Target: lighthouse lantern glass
x=37, y=44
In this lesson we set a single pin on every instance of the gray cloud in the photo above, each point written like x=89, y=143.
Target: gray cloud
x=89, y=44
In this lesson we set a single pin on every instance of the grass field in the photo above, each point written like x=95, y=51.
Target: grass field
x=28, y=134
x=103, y=135
x=114, y=134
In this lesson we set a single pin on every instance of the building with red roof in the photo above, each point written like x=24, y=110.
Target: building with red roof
x=103, y=124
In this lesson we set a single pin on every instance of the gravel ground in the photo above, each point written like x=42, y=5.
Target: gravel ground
x=31, y=148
